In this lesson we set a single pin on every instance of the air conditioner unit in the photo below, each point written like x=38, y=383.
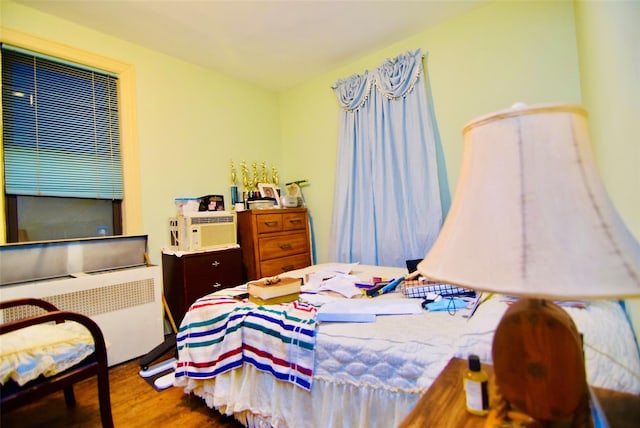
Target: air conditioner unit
x=203, y=230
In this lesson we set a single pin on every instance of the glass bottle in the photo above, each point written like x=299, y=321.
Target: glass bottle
x=476, y=386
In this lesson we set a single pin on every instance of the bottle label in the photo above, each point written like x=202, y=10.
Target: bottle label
x=477, y=395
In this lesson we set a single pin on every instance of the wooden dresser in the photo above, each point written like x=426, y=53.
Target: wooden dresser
x=273, y=241
x=196, y=274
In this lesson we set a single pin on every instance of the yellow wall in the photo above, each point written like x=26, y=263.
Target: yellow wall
x=480, y=62
x=188, y=130
x=609, y=48
x=190, y=121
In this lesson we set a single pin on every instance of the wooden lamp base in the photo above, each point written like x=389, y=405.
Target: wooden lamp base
x=502, y=416
x=540, y=375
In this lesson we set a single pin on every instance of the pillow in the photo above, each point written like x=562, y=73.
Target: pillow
x=42, y=349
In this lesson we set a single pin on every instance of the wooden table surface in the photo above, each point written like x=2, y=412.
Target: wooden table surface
x=443, y=405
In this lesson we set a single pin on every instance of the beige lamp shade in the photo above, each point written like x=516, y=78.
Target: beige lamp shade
x=530, y=216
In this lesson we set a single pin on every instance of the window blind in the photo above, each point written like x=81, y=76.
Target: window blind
x=60, y=128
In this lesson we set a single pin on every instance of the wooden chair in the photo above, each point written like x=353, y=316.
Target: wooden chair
x=13, y=395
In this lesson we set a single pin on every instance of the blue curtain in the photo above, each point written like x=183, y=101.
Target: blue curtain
x=391, y=192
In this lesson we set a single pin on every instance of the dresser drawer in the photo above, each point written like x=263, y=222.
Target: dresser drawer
x=284, y=264
x=283, y=245
x=267, y=223
x=202, y=265
x=206, y=273
x=294, y=221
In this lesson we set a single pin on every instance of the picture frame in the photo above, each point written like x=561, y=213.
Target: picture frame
x=212, y=203
x=268, y=190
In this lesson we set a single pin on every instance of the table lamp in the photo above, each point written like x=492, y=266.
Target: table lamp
x=531, y=218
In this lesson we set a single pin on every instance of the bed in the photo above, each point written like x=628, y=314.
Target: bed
x=372, y=374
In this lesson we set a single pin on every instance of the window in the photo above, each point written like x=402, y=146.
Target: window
x=61, y=141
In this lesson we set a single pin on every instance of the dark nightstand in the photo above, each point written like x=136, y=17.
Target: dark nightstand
x=443, y=405
x=195, y=274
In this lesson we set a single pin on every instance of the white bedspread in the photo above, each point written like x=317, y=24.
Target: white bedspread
x=371, y=374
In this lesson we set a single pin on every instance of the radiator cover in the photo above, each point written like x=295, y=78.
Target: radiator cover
x=126, y=304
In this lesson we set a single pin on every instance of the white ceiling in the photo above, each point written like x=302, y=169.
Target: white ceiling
x=273, y=44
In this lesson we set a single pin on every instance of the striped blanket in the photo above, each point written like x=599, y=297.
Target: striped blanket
x=219, y=334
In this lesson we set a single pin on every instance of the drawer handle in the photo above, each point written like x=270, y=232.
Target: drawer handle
x=215, y=264
x=217, y=285
x=295, y=221
x=287, y=268
x=270, y=223
x=285, y=246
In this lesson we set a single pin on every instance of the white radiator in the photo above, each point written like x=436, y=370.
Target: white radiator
x=126, y=304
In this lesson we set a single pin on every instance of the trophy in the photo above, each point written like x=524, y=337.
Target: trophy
x=234, y=187
x=254, y=175
x=245, y=180
x=263, y=167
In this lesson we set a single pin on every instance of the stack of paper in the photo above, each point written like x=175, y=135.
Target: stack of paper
x=366, y=310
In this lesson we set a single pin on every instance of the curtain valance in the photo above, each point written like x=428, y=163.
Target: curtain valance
x=394, y=79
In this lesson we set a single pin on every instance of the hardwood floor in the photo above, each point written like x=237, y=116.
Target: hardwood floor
x=134, y=403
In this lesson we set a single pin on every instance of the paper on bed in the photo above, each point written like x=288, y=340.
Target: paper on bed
x=327, y=271
x=318, y=299
x=344, y=284
x=366, y=310
x=339, y=283
x=340, y=268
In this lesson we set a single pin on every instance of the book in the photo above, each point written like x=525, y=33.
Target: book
x=274, y=300
x=268, y=288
